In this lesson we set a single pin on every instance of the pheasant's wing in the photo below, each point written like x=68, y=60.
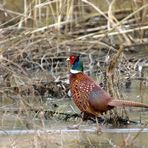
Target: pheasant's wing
x=94, y=95
x=80, y=88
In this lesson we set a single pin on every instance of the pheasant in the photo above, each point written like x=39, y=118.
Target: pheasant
x=89, y=97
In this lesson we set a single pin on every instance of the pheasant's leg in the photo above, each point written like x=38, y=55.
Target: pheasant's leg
x=99, y=130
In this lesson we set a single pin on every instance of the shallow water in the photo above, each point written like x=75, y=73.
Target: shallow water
x=54, y=132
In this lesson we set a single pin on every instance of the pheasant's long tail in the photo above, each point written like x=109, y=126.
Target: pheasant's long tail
x=123, y=103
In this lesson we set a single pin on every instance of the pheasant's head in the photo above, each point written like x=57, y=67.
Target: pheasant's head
x=76, y=64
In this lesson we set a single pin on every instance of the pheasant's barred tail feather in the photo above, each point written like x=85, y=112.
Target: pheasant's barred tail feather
x=122, y=103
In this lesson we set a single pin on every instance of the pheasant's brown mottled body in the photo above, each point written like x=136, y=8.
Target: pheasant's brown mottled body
x=88, y=96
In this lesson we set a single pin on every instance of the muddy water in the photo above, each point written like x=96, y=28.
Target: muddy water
x=54, y=132
x=56, y=135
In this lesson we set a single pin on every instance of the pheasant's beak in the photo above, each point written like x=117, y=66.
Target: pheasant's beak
x=68, y=59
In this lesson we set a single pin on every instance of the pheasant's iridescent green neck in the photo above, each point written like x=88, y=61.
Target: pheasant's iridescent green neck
x=77, y=67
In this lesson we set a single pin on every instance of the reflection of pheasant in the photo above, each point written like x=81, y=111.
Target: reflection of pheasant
x=89, y=97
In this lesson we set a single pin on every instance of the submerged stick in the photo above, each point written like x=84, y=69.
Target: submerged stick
x=57, y=131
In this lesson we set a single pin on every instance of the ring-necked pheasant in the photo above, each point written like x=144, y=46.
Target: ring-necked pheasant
x=89, y=97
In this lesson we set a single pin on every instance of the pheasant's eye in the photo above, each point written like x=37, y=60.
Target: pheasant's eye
x=72, y=59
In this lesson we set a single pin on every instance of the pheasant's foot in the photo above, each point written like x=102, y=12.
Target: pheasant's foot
x=99, y=129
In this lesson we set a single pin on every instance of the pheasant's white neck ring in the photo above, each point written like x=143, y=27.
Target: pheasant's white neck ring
x=74, y=71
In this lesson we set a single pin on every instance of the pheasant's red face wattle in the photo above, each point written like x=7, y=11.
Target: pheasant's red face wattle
x=72, y=59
